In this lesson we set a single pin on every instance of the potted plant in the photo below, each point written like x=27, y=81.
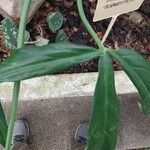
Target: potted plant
x=28, y=62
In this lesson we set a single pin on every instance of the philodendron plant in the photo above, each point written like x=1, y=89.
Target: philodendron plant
x=28, y=62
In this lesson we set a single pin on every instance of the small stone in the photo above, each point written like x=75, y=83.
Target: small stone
x=40, y=41
x=136, y=17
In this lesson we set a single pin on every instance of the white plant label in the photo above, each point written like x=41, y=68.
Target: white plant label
x=111, y=8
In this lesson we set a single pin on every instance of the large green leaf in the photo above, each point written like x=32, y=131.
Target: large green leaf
x=104, y=125
x=3, y=127
x=138, y=70
x=30, y=62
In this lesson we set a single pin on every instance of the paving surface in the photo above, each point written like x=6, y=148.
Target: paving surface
x=53, y=122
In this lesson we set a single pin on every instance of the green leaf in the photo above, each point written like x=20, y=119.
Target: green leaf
x=61, y=37
x=10, y=34
x=31, y=62
x=3, y=127
x=55, y=21
x=104, y=125
x=138, y=70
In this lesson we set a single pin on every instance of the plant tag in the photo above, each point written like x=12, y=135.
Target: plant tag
x=111, y=8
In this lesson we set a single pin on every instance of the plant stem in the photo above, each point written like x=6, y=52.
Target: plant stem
x=13, y=114
x=16, y=89
x=88, y=26
x=22, y=25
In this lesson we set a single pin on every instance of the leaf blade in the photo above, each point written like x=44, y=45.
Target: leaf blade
x=10, y=34
x=105, y=114
x=37, y=61
x=138, y=70
x=3, y=127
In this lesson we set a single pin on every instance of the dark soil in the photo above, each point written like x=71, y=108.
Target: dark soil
x=125, y=33
x=4, y=53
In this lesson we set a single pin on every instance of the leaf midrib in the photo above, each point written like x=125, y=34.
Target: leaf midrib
x=106, y=100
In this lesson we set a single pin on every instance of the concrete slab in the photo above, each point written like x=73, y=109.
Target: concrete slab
x=66, y=85
x=53, y=122
x=55, y=105
x=13, y=8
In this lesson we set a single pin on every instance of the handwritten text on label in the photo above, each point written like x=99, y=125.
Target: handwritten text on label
x=110, y=8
